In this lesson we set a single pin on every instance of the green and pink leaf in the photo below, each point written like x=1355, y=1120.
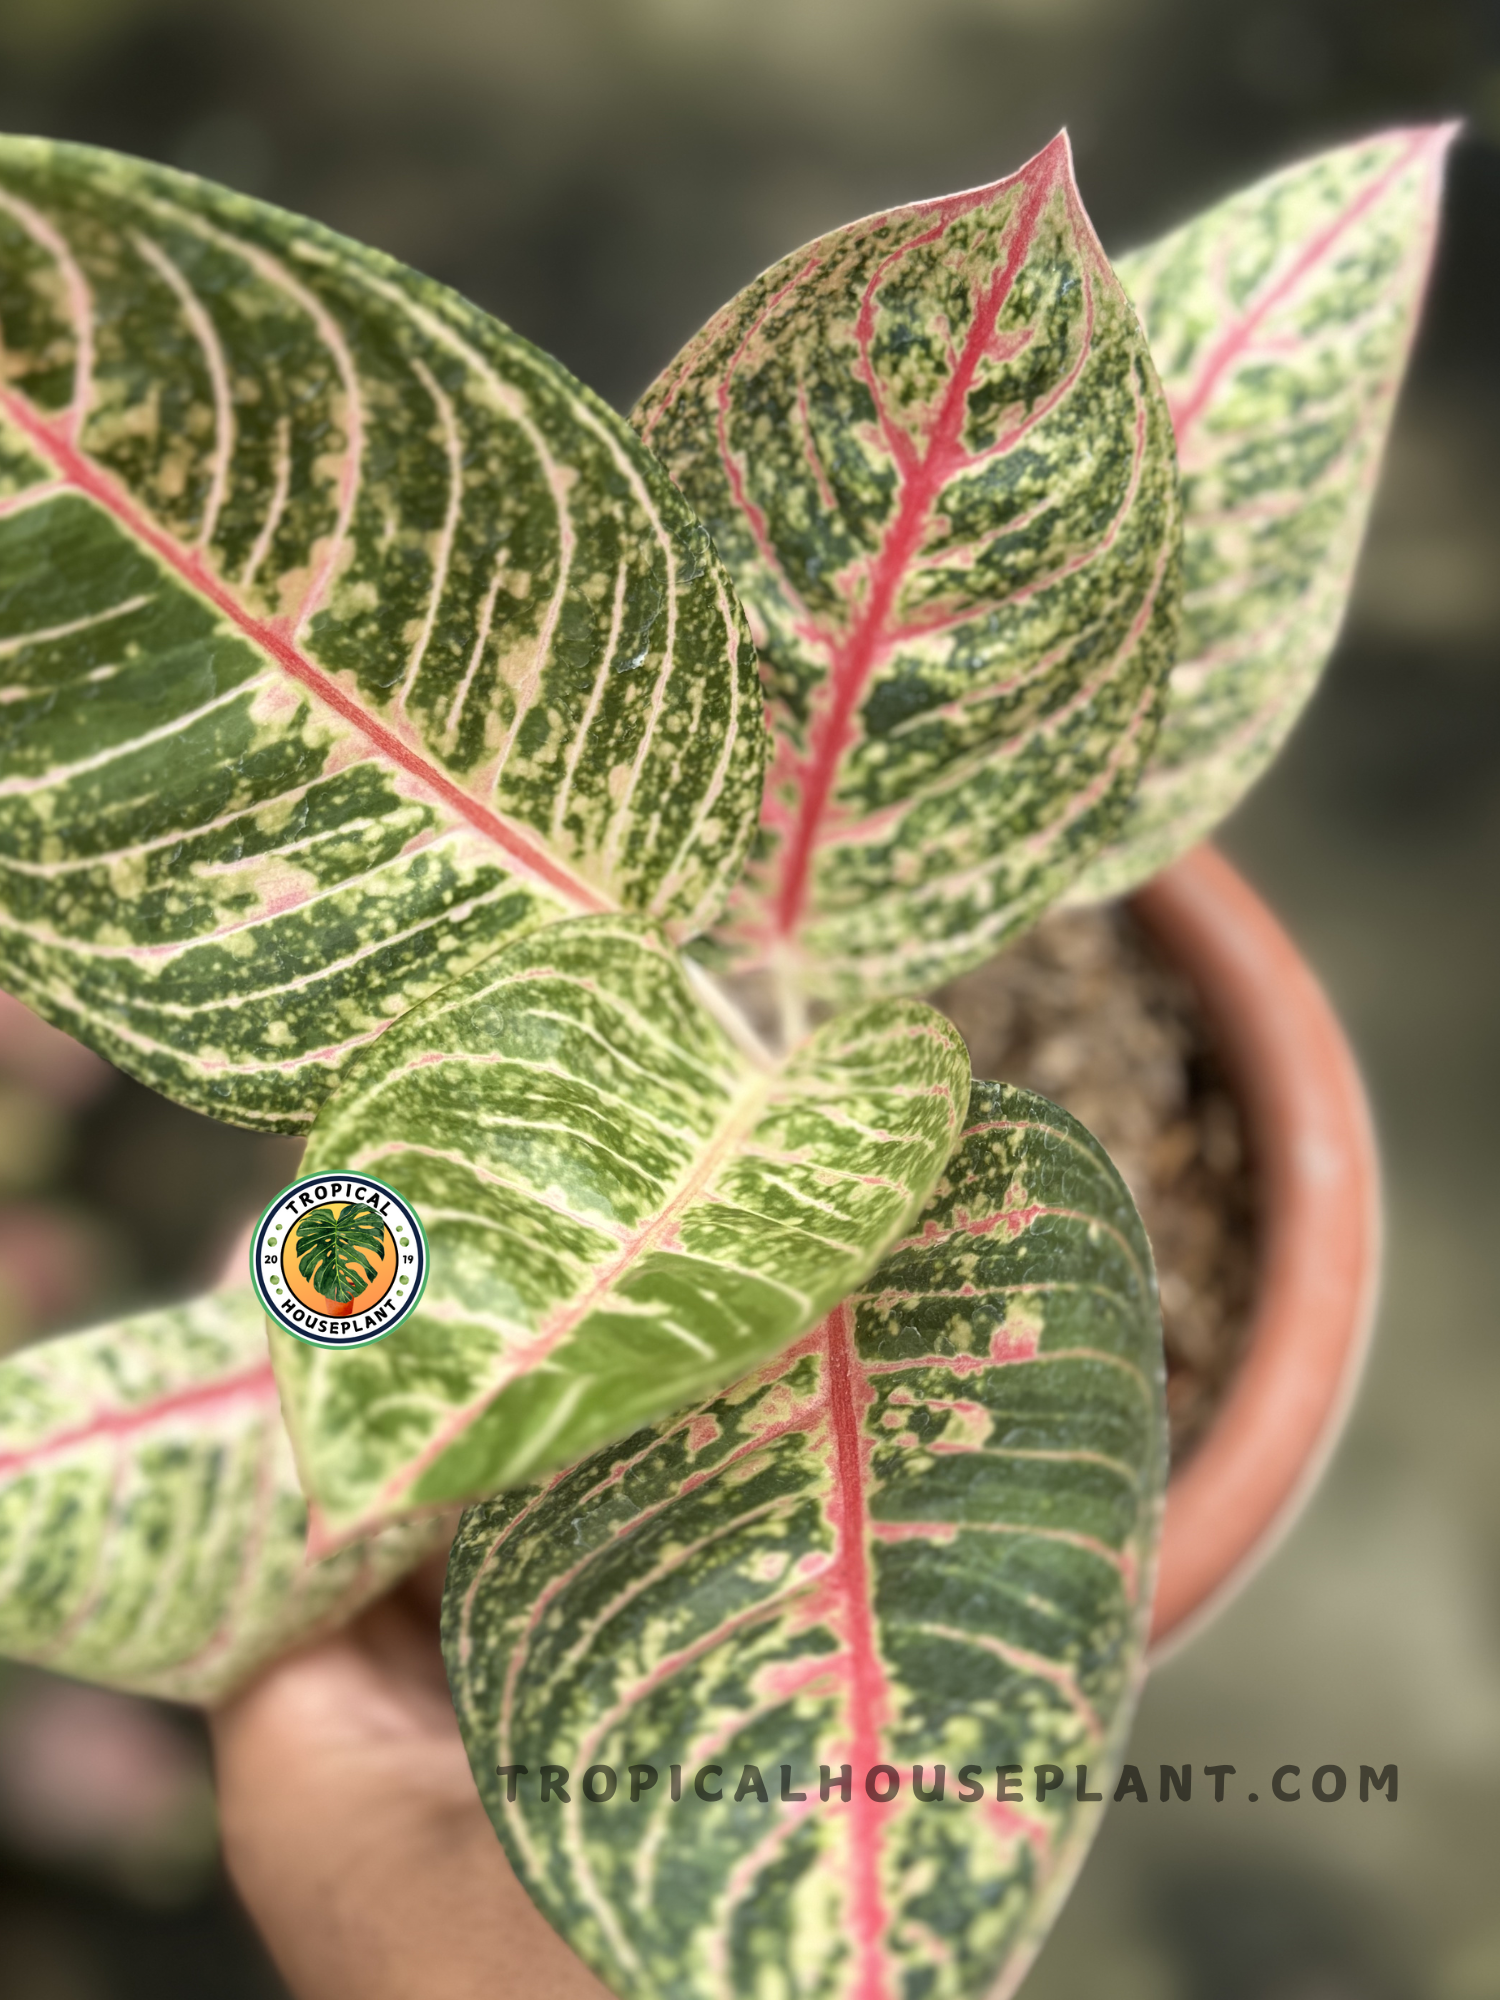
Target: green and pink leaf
x=343, y=637
x=933, y=453
x=152, y=1530
x=1280, y=322
x=923, y=1536
x=624, y=1206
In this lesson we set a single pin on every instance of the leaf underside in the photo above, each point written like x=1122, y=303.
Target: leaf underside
x=924, y=1535
x=1280, y=322
x=343, y=637
x=622, y=1210
x=933, y=452
x=152, y=1530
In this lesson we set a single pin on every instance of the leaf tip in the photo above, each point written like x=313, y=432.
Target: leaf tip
x=1441, y=135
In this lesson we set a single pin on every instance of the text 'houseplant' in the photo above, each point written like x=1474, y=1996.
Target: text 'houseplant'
x=556, y=817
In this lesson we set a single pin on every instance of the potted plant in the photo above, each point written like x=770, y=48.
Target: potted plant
x=553, y=820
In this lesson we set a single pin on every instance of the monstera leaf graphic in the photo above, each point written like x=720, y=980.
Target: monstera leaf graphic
x=331, y=1247
x=344, y=637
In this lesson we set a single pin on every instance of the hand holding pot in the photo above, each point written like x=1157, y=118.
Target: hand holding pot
x=353, y=1832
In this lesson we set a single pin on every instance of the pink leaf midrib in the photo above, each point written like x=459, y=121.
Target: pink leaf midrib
x=1189, y=407
x=847, y=1392
x=923, y=477
x=252, y=1387
x=524, y=854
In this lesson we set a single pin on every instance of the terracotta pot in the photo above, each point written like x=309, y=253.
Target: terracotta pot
x=1313, y=1150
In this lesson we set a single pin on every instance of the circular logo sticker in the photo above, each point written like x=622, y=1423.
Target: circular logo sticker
x=339, y=1259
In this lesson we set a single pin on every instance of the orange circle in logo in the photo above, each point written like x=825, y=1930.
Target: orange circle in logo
x=301, y=1288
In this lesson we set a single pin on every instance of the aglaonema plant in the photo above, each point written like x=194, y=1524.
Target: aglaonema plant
x=559, y=819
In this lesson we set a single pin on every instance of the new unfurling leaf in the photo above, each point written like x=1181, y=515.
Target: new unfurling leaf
x=152, y=1530
x=933, y=452
x=1280, y=322
x=923, y=1537
x=343, y=637
x=623, y=1210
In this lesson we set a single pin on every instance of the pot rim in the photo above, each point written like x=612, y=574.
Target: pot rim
x=1312, y=1141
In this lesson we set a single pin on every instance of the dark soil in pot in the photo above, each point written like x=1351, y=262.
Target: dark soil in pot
x=1086, y=1010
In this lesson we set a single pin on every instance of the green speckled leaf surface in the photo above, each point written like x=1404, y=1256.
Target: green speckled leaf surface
x=1280, y=322
x=623, y=1209
x=934, y=454
x=923, y=1537
x=152, y=1529
x=343, y=637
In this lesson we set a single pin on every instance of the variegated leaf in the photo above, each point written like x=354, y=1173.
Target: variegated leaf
x=933, y=452
x=152, y=1530
x=343, y=636
x=923, y=1537
x=1280, y=322
x=623, y=1209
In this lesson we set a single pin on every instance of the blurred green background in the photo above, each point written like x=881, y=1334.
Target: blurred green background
x=602, y=174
